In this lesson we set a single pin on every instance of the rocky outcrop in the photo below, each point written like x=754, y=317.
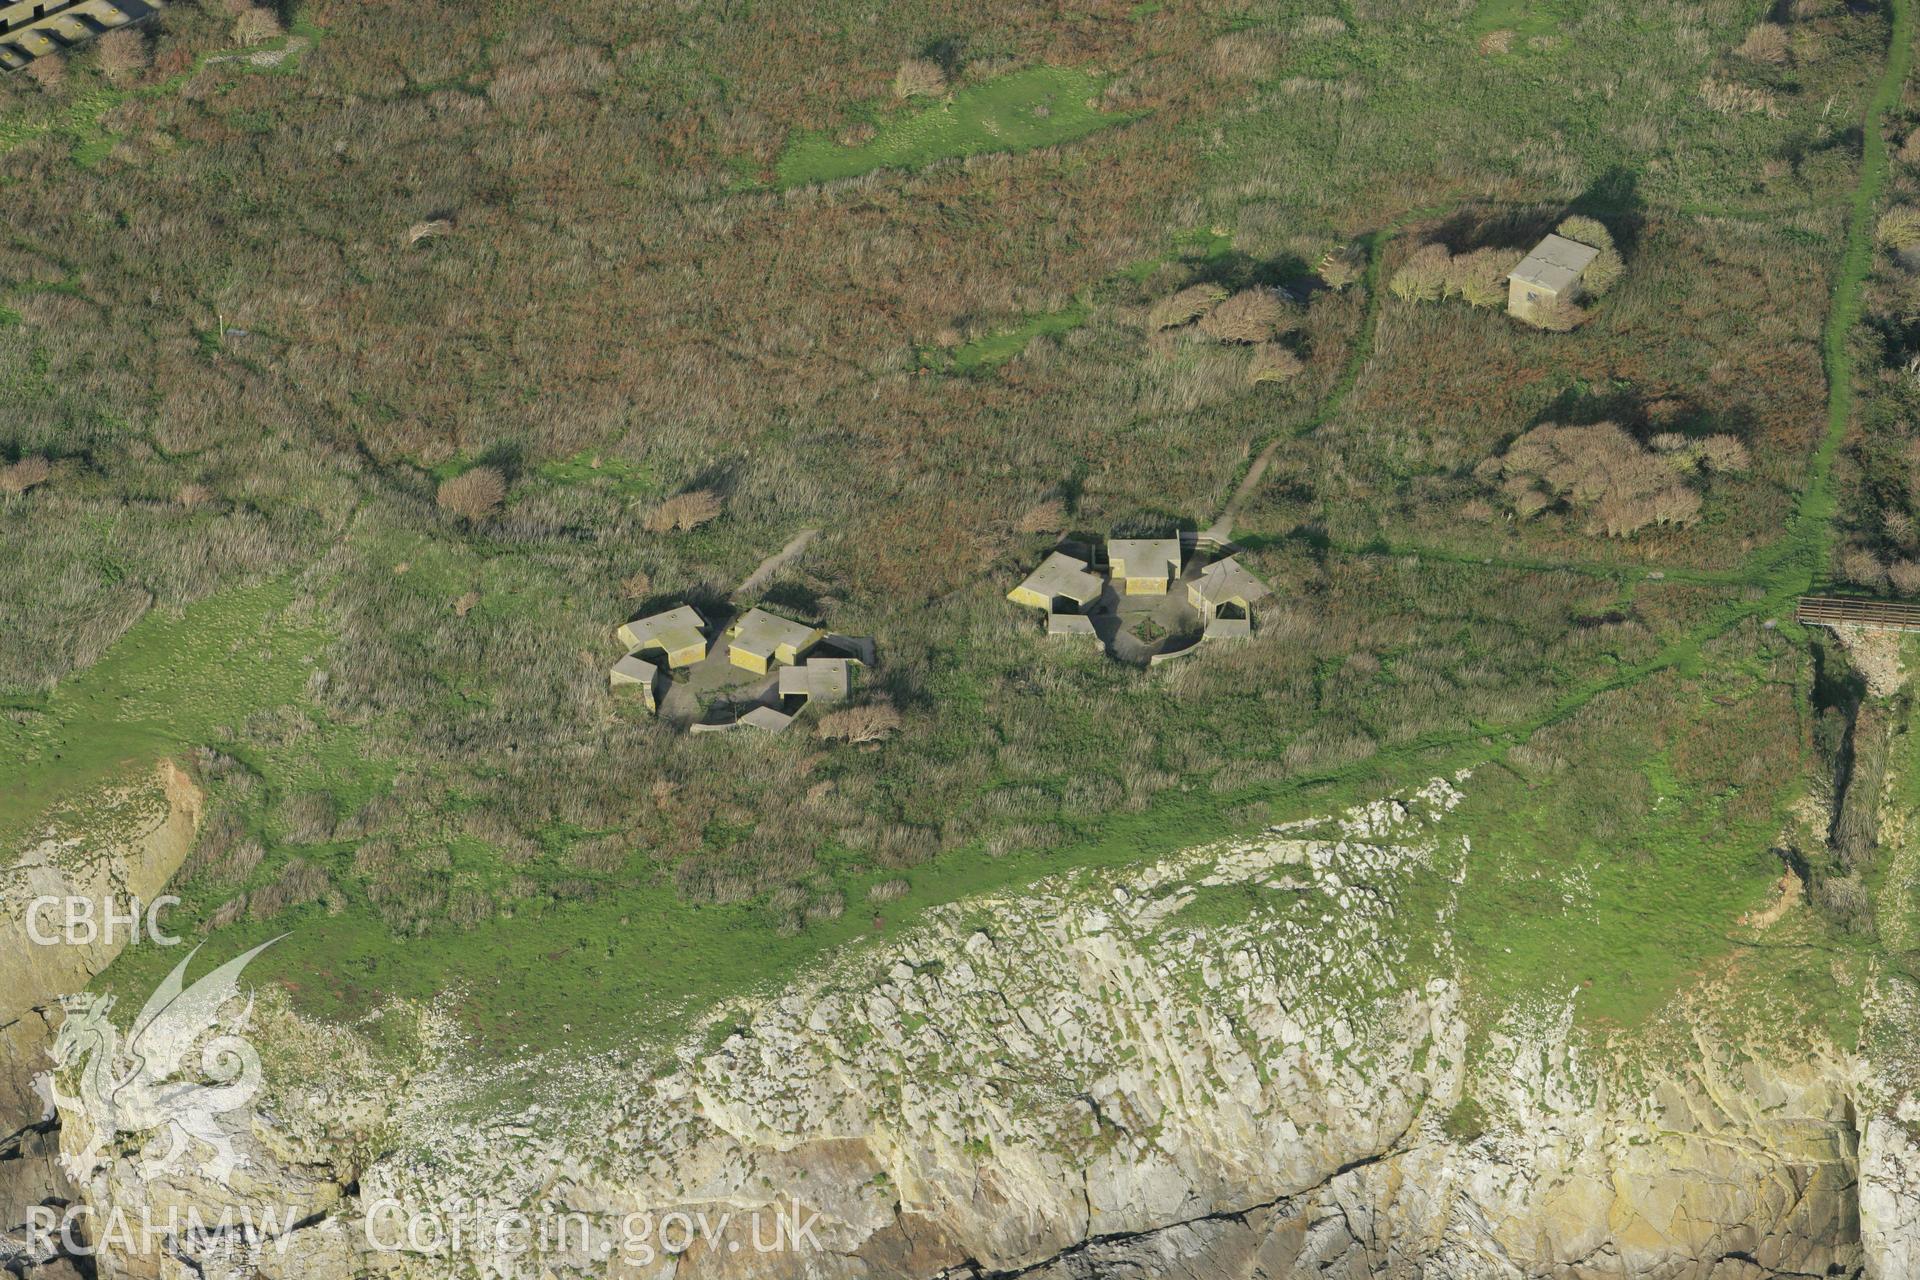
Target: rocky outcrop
x=123, y=843
x=1248, y=1060
x=117, y=845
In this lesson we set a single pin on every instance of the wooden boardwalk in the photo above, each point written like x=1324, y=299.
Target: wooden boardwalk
x=1834, y=611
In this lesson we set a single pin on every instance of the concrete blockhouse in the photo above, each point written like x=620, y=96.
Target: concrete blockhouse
x=1551, y=274
x=680, y=634
x=32, y=29
x=1224, y=591
x=766, y=719
x=760, y=639
x=1060, y=579
x=816, y=680
x=1143, y=566
x=634, y=671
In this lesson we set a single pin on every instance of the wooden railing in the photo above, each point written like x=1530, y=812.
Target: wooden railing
x=1835, y=611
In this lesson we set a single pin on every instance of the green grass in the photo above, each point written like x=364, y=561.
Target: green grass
x=639, y=961
x=169, y=683
x=77, y=119
x=615, y=474
x=1037, y=107
x=1815, y=514
x=638, y=964
x=1204, y=245
x=1616, y=882
x=1523, y=17
x=998, y=348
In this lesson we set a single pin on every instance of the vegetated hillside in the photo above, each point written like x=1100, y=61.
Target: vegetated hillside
x=265, y=319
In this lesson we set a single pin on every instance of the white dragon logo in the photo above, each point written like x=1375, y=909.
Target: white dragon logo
x=132, y=1088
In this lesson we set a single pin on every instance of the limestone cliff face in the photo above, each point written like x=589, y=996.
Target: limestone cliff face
x=127, y=843
x=1242, y=1061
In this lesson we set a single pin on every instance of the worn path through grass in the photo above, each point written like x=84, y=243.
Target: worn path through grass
x=1376, y=243
x=1782, y=569
x=644, y=964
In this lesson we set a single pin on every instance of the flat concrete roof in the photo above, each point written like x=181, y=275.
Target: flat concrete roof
x=759, y=632
x=636, y=669
x=1555, y=263
x=817, y=679
x=1228, y=579
x=1062, y=575
x=766, y=718
x=674, y=630
x=1144, y=557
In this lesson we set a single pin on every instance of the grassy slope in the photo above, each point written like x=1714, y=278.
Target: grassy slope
x=649, y=958
x=168, y=684
x=1655, y=918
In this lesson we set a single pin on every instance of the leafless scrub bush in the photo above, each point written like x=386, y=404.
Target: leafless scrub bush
x=1845, y=900
x=224, y=852
x=919, y=78
x=1014, y=801
x=493, y=828
x=1899, y=227
x=684, y=511
x=1423, y=277
x=255, y=25
x=18, y=477
x=1729, y=98
x=1603, y=470
x=1252, y=316
x=1023, y=838
x=1185, y=307
x=49, y=72
x=1766, y=43
x=1274, y=363
x=888, y=890
x=1585, y=230
x=298, y=883
x=1480, y=277
x=123, y=52
x=472, y=495
x=1246, y=55
x=522, y=84
x=429, y=229
x=1088, y=795
x=1196, y=377
x=1863, y=567
x=307, y=818
x=1327, y=747
x=598, y=853
x=1045, y=517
